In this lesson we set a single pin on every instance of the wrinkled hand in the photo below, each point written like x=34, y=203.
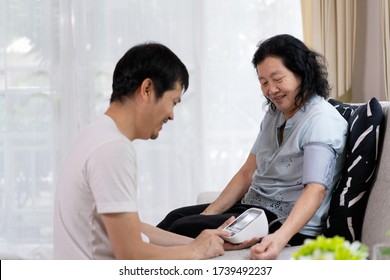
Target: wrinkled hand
x=209, y=243
x=247, y=243
x=268, y=249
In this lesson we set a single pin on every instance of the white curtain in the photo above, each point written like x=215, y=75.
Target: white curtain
x=330, y=29
x=56, y=63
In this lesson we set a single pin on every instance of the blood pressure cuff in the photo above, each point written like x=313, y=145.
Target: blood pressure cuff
x=319, y=162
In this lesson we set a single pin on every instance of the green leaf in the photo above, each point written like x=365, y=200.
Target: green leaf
x=336, y=248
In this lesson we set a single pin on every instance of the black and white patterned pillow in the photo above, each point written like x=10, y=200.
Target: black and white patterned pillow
x=349, y=200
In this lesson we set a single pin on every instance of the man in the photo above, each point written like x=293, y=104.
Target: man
x=95, y=211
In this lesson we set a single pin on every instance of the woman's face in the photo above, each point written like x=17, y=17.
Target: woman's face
x=279, y=85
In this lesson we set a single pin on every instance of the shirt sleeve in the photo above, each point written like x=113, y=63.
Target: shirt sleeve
x=326, y=128
x=255, y=146
x=111, y=172
x=257, y=143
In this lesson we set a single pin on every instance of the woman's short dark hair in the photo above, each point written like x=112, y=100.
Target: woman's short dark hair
x=148, y=60
x=309, y=65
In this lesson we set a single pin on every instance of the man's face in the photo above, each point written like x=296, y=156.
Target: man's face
x=161, y=110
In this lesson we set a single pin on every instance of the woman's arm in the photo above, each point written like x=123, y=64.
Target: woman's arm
x=304, y=209
x=235, y=189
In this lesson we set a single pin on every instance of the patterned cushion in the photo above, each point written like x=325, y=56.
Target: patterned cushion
x=349, y=200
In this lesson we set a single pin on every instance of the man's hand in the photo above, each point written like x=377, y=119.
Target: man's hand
x=229, y=246
x=209, y=243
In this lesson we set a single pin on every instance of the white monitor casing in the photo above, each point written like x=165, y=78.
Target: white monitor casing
x=252, y=223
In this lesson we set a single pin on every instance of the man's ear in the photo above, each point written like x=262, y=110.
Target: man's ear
x=147, y=89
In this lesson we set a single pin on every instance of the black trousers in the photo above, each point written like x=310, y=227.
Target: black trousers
x=187, y=221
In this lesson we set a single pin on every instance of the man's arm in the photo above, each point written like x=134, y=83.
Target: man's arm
x=124, y=231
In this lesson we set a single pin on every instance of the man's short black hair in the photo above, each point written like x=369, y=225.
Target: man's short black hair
x=148, y=60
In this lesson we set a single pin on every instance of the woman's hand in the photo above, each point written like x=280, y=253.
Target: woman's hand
x=268, y=249
x=246, y=244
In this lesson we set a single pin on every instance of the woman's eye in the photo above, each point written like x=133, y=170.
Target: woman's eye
x=279, y=80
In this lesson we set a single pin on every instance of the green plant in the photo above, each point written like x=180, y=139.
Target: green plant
x=386, y=250
x=335, y=248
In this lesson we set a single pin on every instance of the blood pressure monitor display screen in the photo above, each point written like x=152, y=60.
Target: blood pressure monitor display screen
x=243, y=221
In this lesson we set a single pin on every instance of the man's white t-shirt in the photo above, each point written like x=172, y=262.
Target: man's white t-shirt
x=98, y=177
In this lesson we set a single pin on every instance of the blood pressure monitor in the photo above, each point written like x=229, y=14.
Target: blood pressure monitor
x=252, y=223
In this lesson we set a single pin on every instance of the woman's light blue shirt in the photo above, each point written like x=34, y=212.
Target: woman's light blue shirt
x=312, y=151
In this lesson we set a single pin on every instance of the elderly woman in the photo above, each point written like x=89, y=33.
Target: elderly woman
x=295, y=161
